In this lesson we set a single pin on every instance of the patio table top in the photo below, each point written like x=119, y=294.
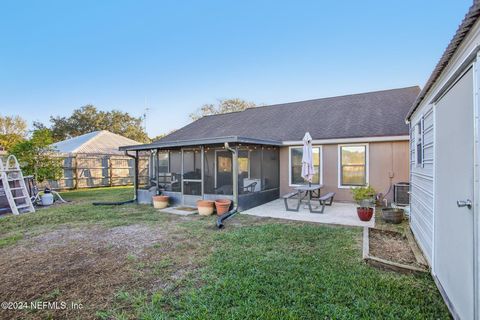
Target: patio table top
x=306, y=187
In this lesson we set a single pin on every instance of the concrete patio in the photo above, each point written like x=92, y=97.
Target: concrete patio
x=341, y=213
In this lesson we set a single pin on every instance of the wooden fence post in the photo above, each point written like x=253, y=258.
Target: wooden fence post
x=110, y=171
x=75, y=170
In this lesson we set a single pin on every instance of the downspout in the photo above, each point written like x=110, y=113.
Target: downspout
x=232, y=212
x=135, y=185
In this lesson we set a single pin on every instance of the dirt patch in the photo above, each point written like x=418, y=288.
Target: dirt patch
x=89, y=266
x=391, y=246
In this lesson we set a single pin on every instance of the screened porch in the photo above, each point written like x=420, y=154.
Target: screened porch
x=246, y=174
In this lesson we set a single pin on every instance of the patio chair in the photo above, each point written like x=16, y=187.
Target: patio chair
x=250, y=187
x=290, y=196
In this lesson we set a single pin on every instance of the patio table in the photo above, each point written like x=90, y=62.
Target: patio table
x=309, y=191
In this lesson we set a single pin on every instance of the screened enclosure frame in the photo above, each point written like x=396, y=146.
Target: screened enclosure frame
x=261, y=184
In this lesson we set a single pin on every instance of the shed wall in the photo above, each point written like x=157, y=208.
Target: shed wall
x=421, y=182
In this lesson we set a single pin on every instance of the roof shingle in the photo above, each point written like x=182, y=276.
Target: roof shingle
x=372, y=114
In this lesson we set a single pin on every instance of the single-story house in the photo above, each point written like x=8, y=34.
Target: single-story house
x=444, y=130
x=254, y=156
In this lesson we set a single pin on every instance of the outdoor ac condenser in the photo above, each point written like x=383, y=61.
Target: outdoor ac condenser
x=401, y=195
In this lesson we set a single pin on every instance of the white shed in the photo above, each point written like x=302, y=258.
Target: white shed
x=444, y=175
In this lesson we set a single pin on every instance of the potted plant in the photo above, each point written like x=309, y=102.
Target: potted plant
x=205, y=207
x=160, y=202
x=365, y=199
x=222, y=206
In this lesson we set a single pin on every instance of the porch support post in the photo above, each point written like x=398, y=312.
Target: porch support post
x=202, y=164
x=135, y=173
x=181, y=186
x=135, y=178
x=235, y=176
x=157, y=169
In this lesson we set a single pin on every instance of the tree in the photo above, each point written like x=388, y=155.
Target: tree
x=37, y=157
x=12, y=131
x=162, y=135
x=223, y=106
x=88, y=118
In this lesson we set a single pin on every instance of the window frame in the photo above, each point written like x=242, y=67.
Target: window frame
x=419, y=141
x=320, y=167
x=339, y=164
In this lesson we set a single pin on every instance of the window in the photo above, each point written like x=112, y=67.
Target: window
x=296, y=154
x=353, y=165
x=224, y=163
x=419, y=142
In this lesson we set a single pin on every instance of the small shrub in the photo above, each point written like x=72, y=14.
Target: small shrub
x=363, y=194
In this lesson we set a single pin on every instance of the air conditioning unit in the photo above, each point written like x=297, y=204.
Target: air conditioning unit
x=401, y=193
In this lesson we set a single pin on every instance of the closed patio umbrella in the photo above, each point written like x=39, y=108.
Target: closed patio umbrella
x=308, y=171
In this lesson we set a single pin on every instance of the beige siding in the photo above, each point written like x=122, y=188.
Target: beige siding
x=386, y=159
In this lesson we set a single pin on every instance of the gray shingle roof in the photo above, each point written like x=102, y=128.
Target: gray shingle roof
x=372, y=114
x=470, y=18
x=96, y=142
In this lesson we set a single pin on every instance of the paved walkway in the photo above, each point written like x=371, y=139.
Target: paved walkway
x=339, y=213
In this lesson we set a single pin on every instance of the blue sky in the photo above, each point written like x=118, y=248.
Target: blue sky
x=56, y=56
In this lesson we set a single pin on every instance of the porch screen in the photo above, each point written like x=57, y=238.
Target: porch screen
x=353, y=164
x=258, y=169
x=218, y=172
x=176, y=170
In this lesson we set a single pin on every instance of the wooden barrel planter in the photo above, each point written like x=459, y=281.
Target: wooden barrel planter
x=392, y=215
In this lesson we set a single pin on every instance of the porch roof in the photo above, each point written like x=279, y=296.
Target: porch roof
x=200, y=142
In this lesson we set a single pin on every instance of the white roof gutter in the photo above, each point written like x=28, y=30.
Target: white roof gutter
x=349, y=140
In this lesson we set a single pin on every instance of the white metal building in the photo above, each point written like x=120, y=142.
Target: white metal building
x=444, y=175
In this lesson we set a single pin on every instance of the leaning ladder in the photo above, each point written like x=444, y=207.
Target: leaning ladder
x=17, y=196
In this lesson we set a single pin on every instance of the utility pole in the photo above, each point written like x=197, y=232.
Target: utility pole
x=145, y=115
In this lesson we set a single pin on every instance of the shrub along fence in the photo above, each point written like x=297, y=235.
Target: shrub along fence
x=99, y=170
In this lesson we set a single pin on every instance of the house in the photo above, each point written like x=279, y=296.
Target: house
x=254, y=156
x=444, y=130
x=93, y=160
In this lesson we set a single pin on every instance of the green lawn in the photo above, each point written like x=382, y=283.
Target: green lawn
x=254, y=268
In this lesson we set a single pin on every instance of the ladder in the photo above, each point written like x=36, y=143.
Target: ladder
x=17, y=195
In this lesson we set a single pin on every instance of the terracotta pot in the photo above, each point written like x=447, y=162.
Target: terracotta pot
x=160, y=202
x=222, y=206
x=365, y=213
x=205, y=207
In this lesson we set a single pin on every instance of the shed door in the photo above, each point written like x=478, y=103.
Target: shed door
x=454, y=241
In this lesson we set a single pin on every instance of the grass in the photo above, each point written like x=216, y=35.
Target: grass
x=282, y=271
x=264, y=269
x=79, y=212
